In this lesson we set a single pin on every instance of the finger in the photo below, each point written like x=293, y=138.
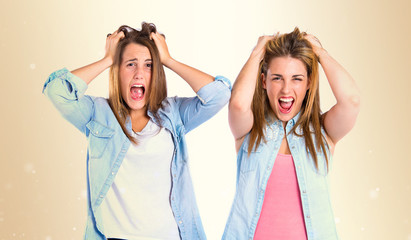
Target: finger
x=152, y=35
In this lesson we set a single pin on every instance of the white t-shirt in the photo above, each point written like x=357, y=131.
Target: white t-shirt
x=137, y=205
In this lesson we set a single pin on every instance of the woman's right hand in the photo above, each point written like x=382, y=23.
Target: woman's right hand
x=111, y=45
x=259, y=49
x=91, y=71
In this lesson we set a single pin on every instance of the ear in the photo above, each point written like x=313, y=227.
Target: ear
x=263, y=78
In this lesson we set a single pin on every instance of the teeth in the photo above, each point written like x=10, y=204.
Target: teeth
x=286, y=99
x=137, y=85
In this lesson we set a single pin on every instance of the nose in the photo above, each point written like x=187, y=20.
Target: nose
x=138, y=73
x=286, y=86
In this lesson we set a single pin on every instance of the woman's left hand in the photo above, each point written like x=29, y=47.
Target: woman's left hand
x=161, y=44
x=315, y=43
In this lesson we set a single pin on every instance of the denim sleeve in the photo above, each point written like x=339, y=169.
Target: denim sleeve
x=210, y=99
x=66, y=92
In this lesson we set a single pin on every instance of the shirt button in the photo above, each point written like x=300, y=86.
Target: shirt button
x=175, y=175
x=293, y=147
x=112, y=173
x=96, y=132
x=180, y=222
x=172, y=198
x=304, y=191
x=308, y=216
x=101, y=196
x=256, y=214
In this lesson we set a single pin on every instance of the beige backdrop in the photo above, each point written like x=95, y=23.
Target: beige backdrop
x=42, y=172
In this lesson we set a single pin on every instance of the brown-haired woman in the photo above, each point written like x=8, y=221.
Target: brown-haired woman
x=284, y=142
x=139, y=182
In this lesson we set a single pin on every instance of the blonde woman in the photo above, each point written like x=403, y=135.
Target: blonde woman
x=284, y=142
x=139, y=185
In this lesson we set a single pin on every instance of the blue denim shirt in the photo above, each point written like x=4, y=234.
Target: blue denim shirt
x=107, y=143
x=252, y=175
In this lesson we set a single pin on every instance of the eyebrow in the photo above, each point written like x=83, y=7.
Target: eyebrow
x=135, y=59
x=296, y=75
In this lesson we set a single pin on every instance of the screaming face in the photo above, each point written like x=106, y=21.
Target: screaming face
x=135, y=76
x=286, y=83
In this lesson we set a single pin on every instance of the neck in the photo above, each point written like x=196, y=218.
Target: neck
x=139, y=119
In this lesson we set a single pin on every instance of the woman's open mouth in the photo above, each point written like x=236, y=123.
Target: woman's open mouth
x=137, y=92
x=285, y=104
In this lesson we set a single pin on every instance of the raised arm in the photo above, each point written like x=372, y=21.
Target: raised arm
x=212, y=93
x=340, y=119
x=91, y=71
x=240, y=115
x=66, y=89
x=195, y=78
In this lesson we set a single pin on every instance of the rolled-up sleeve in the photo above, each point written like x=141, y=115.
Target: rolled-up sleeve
x=209, y=101
x=66, y=92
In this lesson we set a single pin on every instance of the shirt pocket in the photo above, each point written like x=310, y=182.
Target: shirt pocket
x=249, y=162
x=98, y=138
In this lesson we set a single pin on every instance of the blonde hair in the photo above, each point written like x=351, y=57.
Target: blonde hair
x=296, y=46
x=157, y=91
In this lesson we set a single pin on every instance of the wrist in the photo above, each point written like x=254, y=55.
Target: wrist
x=107, y=61
x=167, y=61
x=321, y=53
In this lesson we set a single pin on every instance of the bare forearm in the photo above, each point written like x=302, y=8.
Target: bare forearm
x=194, y=77
x=244, y=86
x=91, y=71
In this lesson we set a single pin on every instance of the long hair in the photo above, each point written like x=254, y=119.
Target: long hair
x=157, y=91
x=296, y=46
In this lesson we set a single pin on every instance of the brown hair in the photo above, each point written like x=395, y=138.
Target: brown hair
x=296, y=46
x=157, y=91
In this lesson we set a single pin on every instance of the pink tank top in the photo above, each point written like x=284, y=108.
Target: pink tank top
x=281, y=214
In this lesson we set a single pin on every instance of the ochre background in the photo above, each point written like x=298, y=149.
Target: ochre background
x=43, y=170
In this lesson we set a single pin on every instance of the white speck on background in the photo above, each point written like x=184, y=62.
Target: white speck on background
x=32, y=66
x=337, y=220
x=74, y=228
x=362, y=228
x=8, y=186
x=409, y=237
x=28, y=168
x=374, y=193
x=1, y=219
x=84, y=194
x=48, y=238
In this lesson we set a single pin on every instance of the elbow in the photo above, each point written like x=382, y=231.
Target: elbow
x=236, y=105
x=355, y=101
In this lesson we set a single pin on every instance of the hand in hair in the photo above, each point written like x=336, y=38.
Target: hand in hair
x=111, y=44
x=316, y=45
x=259, y=49
x=161, y=44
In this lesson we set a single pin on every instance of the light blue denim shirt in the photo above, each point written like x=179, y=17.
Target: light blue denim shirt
x=252, y=175
x=107, y=143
